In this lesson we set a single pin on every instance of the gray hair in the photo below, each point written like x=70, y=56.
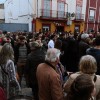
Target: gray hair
x=6, y=53
x=52, y=54
x=88, y=64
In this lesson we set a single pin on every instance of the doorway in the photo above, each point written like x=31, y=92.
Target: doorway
x=60, y=28
x=77, y=28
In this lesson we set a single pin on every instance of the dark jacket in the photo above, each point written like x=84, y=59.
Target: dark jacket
x=96, y=54
x=83, y=46
x=34, y=59
x=16, y=51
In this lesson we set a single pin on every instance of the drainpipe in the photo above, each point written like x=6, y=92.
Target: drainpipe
x=37, y=8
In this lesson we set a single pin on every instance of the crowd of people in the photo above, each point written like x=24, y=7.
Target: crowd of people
x=57, y=66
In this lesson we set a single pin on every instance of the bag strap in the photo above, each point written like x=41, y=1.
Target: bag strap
x=4, y=70
x=50, y=64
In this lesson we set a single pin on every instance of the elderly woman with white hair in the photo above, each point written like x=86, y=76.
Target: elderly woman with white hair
x=49, y=82
x=9, y=79
x=87, y=65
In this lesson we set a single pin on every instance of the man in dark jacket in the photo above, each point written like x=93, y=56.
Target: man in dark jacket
x=36, y=57
x=21, y=50
x=83, y=44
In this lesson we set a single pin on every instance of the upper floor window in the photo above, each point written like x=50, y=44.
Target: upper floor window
x=92, y=15
x=79, y=4
x=46, y=8
x=78, y=12
x=61, y=8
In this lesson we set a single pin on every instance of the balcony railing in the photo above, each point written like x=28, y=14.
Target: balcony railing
x=79, y=16
x=44, y=13
x=91, y=18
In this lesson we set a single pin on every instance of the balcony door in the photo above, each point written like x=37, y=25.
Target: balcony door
x=46, y=8
x=79, y=5
x=61, y=9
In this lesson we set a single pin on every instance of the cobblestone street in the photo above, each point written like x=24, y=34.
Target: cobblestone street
x=25, y=90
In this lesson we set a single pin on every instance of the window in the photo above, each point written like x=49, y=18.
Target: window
x=61, y=9
x=92, y=15
x=46, y=27
x=79, y=4
x=46, y=8
x=78, y=12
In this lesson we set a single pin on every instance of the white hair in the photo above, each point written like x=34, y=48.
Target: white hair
x=52, y=54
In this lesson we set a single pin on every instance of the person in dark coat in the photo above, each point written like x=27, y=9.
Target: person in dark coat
x=21, y=50
x=95, y=52
x=83, y=44
x=36, y=57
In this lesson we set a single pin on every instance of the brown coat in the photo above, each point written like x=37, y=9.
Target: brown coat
x=49, y=83
x=73, y=76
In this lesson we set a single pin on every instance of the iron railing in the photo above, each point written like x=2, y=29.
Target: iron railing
x=45, y=13
x=79, y=16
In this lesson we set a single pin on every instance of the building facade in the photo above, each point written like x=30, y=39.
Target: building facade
x=92, y=21
x=19, y=11
x=59, y=15
x=2, y=16
x=54, y=15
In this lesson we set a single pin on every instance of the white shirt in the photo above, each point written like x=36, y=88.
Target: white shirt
x=51, y=44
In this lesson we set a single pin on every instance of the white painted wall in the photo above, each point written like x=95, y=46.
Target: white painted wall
x=20, y=11
x=71, y=5
x=39, y=7
x=2, y=14
x=84, y=8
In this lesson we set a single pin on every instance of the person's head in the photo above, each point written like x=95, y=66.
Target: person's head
x=52, y=55
x=58, y=44
x=97, y=40
x=34, y=45
x=53, y=37
x=82, y=88
x=6, y=53
x=85, y=37
x=88, y=64
x=22, y=39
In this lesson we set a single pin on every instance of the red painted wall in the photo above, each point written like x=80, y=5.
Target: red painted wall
x=92, y=5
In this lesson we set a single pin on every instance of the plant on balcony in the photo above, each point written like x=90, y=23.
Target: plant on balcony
x=73, y=14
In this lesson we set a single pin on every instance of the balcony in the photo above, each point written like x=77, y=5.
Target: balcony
x=79, y=16
x=91, y=18
x=52, y=14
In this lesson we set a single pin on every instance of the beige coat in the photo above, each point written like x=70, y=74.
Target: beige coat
x=73, y=76
x=49, y=83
